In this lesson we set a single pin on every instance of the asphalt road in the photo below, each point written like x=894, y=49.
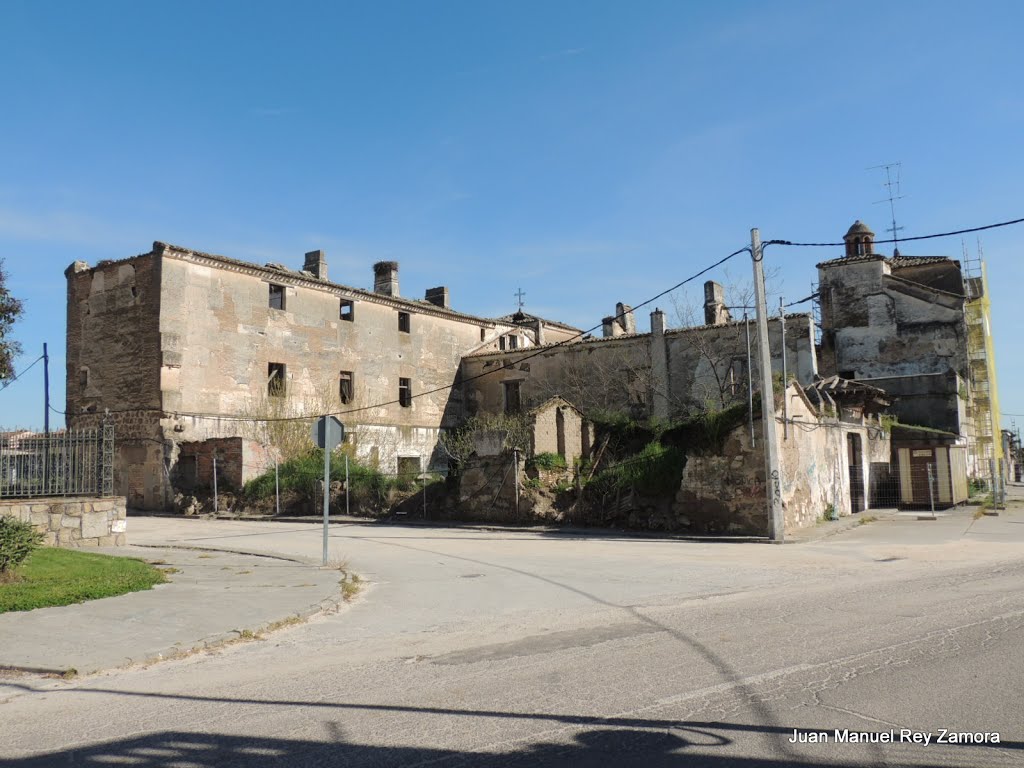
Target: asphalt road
x=475, y=648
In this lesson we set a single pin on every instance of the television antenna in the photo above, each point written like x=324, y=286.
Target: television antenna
x=895, y=193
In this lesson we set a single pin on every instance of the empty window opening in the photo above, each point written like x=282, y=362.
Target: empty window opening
x=736, y=378
x=483, y=334
x=275, y=379
x=187, y=473
x=513, y=398
x=501, y=343
x=405, y=392
x=345, y=387
x=83, y=378
x=347, y=311
x=409, y=468
x=403, y=322
x=276, y=296
x=513, y=342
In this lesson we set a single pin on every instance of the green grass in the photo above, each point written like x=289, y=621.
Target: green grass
x=54, y=577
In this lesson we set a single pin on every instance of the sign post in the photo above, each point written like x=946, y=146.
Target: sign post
x=328, y=432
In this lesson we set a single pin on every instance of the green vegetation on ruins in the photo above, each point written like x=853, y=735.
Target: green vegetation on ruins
x=303, y=475
x=650, y=456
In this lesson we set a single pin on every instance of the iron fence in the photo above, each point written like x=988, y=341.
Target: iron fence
x=68, y=463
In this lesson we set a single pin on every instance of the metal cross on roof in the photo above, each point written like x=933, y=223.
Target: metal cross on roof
x=519, y=297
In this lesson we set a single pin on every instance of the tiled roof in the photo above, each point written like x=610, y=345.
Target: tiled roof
x=524, y=318
x=422, y=304
x=896, y=262
x=899, y=262
x=852, y=259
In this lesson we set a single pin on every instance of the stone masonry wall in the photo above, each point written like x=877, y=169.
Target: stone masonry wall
x=725, y=493
x=704, y=366
x=73, y=522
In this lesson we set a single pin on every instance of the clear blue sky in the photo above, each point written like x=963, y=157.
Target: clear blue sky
x=588, y=152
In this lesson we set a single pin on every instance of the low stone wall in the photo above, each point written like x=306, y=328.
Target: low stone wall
x=73, y=521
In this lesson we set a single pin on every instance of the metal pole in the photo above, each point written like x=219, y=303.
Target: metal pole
x=327, y=488
x=277, y=488
x=776, y=522
x=46, y=390
x=215, y=509
x=515, y=460
x=346, y=484
x=785, y=379
x=750, y=383
x=931, y=491
x=46, y=419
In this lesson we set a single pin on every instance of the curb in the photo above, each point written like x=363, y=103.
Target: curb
x=325, y=606
x=231, y=637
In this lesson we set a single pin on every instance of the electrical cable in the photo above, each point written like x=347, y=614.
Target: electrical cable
x=18, y=375
x=901, y=239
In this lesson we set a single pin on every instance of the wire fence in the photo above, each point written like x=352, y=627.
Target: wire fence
x=66, y=463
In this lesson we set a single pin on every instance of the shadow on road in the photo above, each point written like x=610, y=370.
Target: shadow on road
x=622, y=748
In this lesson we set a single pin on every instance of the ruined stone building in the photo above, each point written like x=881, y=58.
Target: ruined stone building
x=195, y=357
x=901, y=324
x=665, y=374
x=175, y=346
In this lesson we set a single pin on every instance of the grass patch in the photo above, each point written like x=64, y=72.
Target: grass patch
x=866, y=519
x=53, y=577
x=351, y=585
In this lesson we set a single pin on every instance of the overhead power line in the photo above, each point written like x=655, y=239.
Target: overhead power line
x=902, y=239
x=16, y=376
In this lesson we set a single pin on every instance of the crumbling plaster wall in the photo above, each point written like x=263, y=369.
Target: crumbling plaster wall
x=617, y=374
x=815, y=461
x=700, y=360
x=725, y=492
x=178, y=332
x=219, y=335
x=546, y=430
x=876, y=324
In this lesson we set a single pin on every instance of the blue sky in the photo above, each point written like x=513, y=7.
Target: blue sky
x=588, y=152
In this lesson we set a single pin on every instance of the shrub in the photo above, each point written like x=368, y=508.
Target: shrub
x=18, y=540
x=460, y=443
x=656, y=470
x=303, y=475
x=706, y=433
x=548, y=461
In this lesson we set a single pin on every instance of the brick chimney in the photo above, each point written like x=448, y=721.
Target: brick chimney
x=385, y=278
x=715, y=311
x=316, y=263
x=436, y=296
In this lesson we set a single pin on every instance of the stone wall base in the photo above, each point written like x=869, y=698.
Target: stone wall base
x=73, y=521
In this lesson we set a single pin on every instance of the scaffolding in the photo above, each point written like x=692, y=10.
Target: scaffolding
x=985, y=450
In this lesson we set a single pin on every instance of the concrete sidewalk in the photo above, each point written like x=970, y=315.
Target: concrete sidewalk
x=211, y=598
